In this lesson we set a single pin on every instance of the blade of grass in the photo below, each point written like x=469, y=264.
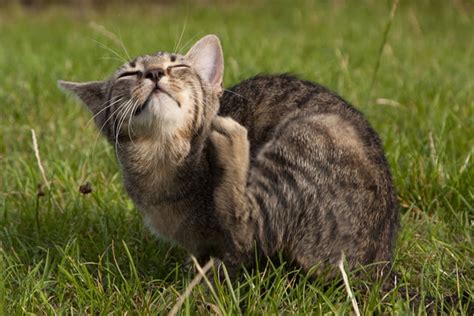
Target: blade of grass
x=386, y=31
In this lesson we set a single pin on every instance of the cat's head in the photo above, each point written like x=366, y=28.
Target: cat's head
x=157, y=96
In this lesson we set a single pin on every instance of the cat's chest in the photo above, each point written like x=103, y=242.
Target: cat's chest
x=164, y=221
x=173, y=223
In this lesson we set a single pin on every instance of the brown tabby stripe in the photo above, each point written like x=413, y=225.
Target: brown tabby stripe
x=196, y=108
x=204, y=97
x=267, y=219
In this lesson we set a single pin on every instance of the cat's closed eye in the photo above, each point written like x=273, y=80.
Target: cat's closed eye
x=177, y=67
x=130, y=74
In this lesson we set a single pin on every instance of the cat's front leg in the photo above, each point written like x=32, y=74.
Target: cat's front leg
x=232, y=150
x=231, y=145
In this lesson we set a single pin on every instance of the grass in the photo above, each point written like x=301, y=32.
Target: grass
x=68, y=253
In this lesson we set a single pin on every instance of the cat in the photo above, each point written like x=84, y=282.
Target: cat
x=274, y=166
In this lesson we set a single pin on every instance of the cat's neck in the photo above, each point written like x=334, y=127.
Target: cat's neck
x=168, y=170
x=175, y=197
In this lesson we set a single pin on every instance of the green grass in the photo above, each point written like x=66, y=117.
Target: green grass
x=65, y=252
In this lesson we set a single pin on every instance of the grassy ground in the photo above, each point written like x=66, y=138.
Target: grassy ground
x=65, y=252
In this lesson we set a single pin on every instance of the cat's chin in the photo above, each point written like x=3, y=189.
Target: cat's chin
x=160, y=110
x=152, y=100
x=163, y=105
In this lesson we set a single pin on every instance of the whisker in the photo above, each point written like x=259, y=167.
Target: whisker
x=120, y=124
x=111, y=51
x=103, y=125
x=191, y=40
x=239, y=95
x=112, y=115
x=117, y=132
x=135, y=105
x=102, y=110
x=123, y=44
x=124, y=115
x=120, y=118
x=130, y=113
x=115, y=129
x=176, y=48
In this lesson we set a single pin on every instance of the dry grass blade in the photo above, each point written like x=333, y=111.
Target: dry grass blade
x=38, y=158
x=348, y=287
x=195, y=281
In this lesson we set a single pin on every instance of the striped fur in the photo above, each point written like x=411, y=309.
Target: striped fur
x=286, y=167
x=318, y=184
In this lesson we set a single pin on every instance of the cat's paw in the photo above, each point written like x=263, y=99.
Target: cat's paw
x=230, y=141
x=228, y=127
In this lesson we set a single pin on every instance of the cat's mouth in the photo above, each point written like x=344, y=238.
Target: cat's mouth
x=156, y=91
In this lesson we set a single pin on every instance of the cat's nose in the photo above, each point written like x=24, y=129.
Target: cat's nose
x=155, y=74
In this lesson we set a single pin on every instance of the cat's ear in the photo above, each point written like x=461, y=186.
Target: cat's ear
x=91, y=93
x=206, y=56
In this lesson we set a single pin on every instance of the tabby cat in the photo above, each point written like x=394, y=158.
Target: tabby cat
x=275, y=166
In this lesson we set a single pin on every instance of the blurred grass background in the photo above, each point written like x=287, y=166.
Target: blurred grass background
x=64, y=252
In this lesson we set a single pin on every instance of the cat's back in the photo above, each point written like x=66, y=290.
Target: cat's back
x=262, y=102
x=318, y=171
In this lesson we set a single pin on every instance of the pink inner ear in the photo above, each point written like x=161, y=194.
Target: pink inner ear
x=206, y=56
x=218, y=71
